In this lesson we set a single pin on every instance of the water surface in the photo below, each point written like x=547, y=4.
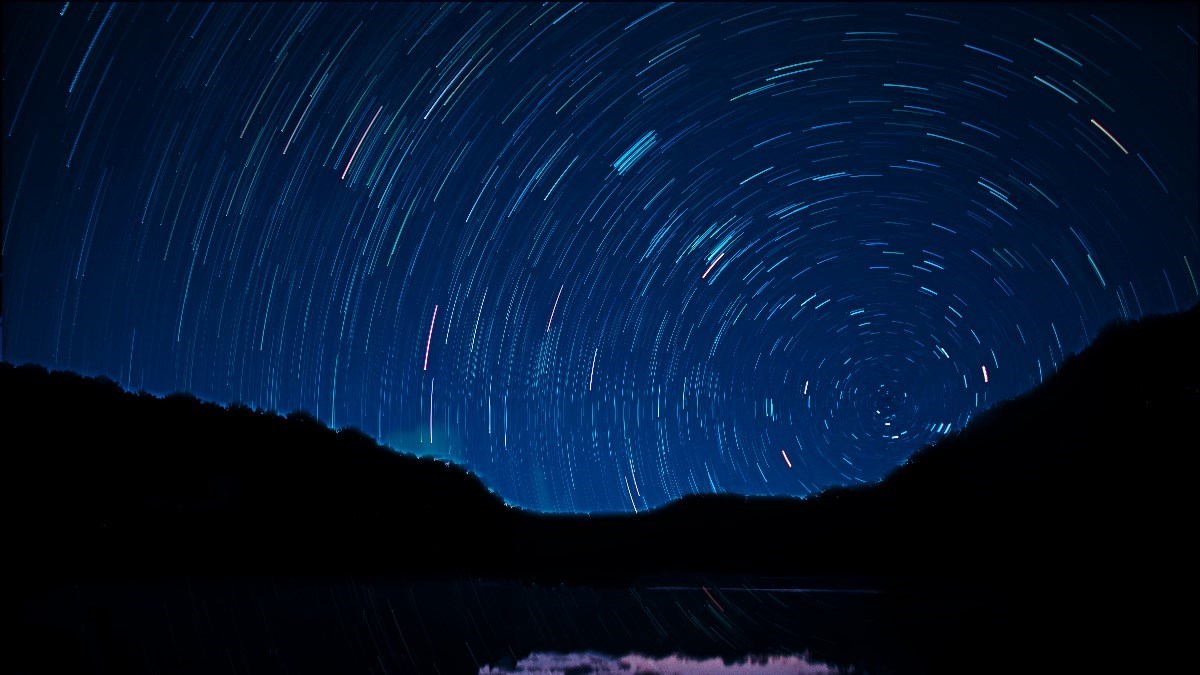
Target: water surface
x=351, y=625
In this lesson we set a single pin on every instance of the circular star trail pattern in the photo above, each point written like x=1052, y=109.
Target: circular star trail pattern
x=602, y=255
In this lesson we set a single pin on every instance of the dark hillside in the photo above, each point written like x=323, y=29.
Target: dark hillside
x=1084, y=477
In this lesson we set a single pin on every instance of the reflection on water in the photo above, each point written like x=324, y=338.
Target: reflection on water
x=390, y=625
x=540, y=663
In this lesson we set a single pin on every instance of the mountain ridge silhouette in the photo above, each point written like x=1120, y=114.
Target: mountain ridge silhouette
x=1052, y=483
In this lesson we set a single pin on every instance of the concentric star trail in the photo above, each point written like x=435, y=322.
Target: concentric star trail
x=644, y=250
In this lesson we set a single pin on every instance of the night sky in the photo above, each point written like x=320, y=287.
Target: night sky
x=602, y=255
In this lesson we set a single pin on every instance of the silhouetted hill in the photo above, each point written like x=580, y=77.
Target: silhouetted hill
x=109, y=481
x=1086, y=477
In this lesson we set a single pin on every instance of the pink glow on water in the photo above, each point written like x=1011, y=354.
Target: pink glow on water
x=541, y=663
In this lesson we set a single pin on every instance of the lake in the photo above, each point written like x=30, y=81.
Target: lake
x=373, y=625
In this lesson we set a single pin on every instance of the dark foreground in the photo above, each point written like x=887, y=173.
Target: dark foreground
x=1055, y=530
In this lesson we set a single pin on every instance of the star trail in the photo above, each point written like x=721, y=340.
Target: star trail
x=603, y=255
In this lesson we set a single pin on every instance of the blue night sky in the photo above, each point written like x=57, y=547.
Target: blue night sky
x=601, y=255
